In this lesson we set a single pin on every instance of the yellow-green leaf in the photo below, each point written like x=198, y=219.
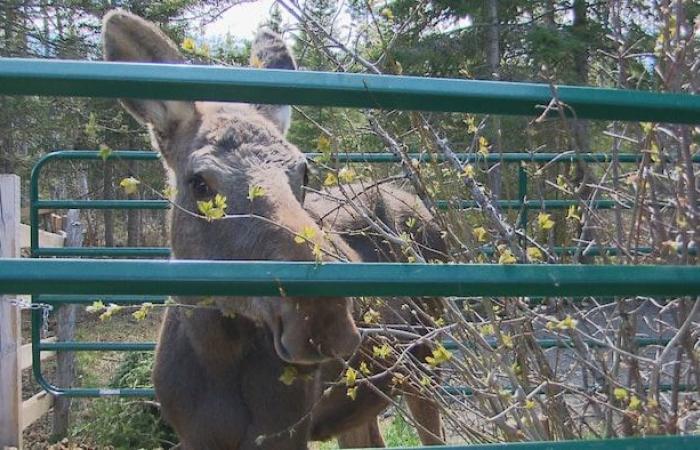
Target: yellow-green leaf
x=305, y=235
x=654, y=153
x=620, y=393
x=483, y=146
x=323, y=143
x=330, y=180
x=486, y=330
x=317, y=251
x=111, y=309
x=142, y=312
x=468, y=171
x=635, y=403
x=507, y=257
x=383, y=351
x=289, y=374
x=352, y=393
x=507, y=340
x=371, y=316
x=169, y=192
x=255, y=191
x=364, y=369
x=479, y=234
x=350, y=377
x=347, y=175
x=534, y=254
x=96, y=306
x=471, y=124
x=188, y=45
x=573, y=213
x=439, y=356
x=213, y=209
x=561, y=181
x=130, y=185
x=567, y=323
x=544, y=221
x=105, y=151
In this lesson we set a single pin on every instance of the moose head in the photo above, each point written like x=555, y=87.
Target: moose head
x=232, y=150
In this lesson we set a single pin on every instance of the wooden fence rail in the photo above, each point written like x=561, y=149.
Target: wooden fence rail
x=15, y=414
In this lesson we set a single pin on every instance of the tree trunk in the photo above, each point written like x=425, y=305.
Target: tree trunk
x=108, y=192
x=65, y=321
x=581, y=127
x=493, y=60
x=132, y=215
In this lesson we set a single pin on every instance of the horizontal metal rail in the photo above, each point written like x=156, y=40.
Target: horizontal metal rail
x=546, y=343
x=102, y=204
x=374, y=157
x=192, y=82
x=73, y=346
x=462, y=204
x=539, y=204
x=641, y=443
x=116, y=252
x=146, y=346
x=267, y=278
x=506, y=157
x=467, y=391
x=136, y=252
x=89, y=299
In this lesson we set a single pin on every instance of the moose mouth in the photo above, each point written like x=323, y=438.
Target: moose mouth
x=309, y=355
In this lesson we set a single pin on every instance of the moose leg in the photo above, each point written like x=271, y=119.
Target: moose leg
x=366, y=435
x=426, y=415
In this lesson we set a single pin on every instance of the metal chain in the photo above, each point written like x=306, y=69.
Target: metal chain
x=23, y=304
x=45, y=310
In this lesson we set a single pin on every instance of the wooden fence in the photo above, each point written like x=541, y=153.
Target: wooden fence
x=15, y=414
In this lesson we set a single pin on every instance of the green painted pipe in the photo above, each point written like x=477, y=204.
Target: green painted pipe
x=102, y=204
x=506, y=157
x=192, y=82
x=136, y=252
x=89, y=299
x=565, y=343
x=96, y=346
x=268, y=278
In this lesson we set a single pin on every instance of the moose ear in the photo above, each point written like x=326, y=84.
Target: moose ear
x=129, y=38
x=270, y=52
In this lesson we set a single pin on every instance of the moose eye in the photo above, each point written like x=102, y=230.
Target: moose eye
x=200, y=188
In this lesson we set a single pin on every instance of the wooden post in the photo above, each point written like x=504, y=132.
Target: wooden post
x=10, y=332
x=65, y=321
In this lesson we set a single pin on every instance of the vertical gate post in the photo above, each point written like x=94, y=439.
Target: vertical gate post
x=10, y=332
x=65, y=321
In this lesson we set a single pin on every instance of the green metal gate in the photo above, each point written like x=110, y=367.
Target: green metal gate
x=74, y=281
x=36, y=204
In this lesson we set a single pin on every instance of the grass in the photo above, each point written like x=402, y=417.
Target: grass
x=396, y=430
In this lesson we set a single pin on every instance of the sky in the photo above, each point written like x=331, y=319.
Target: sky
x=242, y=20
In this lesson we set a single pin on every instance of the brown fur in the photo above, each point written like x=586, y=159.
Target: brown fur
x=216, y=376
x=355, y=421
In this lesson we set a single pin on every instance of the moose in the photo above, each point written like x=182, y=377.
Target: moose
x=217, y=370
